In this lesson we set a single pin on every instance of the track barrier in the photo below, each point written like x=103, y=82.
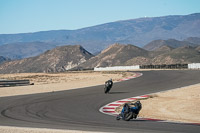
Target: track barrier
x=10, y=83
x=165, y=66
x=162, y=66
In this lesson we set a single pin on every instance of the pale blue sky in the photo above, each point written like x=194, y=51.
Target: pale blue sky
x=22, y=16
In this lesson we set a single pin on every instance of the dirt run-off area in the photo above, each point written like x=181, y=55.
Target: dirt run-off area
x=181, y=104
x=44, y=82
x=178, y=105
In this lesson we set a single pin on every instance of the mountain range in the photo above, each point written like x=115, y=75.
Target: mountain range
x=138, y=32
x=75, y=57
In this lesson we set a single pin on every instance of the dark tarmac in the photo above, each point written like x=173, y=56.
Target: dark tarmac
x=78, y=109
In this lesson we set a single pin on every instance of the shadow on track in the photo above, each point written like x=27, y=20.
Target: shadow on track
x=117, y=92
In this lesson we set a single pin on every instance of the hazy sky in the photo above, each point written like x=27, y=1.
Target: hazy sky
x=22, y=16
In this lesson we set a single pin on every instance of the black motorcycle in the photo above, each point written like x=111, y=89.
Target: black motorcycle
x=108, y=86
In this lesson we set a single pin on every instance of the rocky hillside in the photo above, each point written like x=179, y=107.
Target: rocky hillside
x=125, y=55
x=198, y=48
x=134, y=31
x=115, y=55
x=156, y=44
x=56, y=60
x=181, y=55
x=3, y=59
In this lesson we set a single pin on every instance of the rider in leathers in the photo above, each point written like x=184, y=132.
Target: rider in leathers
x=126, y=109
x=108, y=85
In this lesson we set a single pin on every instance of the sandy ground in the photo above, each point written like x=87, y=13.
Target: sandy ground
x=181, y=104
x=59, y=81
x=178, y=105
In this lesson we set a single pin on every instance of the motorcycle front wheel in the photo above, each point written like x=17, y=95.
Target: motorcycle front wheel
x=128, y=116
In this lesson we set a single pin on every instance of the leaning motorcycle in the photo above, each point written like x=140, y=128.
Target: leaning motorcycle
x=128, y=112
x=108, y=86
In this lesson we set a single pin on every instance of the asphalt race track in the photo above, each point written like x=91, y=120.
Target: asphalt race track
x=79, y=108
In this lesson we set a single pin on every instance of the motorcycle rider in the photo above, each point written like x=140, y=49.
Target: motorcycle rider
x=108, y=85
x=133, y=111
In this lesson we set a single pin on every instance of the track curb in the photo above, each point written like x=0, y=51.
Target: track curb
x=110, y=108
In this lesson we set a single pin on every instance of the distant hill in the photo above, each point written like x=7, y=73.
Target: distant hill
x=3, y=59
x=198, y=48
x=195, y=40
x=25, y=49
x=126, y=55
x=134, y=31
x=181, y=55
x=164, y=48
x=156, y=44
x=57, y=60
x=114, y=55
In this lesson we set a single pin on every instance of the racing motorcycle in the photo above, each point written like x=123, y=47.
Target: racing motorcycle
x=129, y=112
x=108, y=86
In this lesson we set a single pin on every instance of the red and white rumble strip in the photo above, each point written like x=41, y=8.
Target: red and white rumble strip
x=131, y=77
x=109, y=109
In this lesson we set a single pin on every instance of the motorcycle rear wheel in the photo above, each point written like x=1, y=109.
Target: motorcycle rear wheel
x=106, y=90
